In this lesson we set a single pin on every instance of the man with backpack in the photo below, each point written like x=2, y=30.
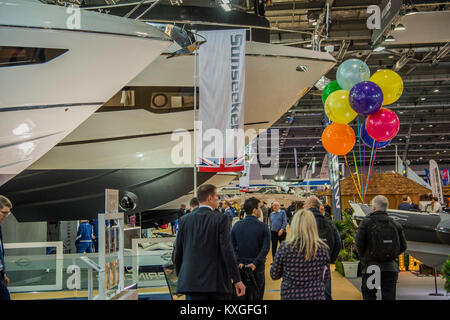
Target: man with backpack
x=328, y=233
x=379, y=241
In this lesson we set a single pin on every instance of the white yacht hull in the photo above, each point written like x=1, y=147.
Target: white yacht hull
x=129, y=148
x=41, y=103
x=138, y=138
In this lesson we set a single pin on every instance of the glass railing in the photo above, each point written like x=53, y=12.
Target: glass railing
x=38, y=271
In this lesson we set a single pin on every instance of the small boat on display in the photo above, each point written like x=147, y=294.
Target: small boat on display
x=55, y=73
x=127, y=143
x=427, y=234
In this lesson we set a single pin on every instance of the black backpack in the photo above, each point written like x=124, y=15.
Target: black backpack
x=326, y=231
x=383, y=240
x=251, y=287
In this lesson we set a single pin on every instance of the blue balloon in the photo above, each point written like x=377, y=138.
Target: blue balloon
x=366, y=98
x=368, y=141
x=352, y=71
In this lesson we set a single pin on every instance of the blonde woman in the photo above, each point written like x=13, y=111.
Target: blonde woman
x=302, y=261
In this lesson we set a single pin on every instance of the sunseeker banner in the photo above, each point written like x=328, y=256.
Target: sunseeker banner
x=221, y=90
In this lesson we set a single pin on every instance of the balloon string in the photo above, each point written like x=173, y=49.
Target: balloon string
x=357, y=172
x=364, y=170
x=359, y=144
x=354, y=182
x=370, y=166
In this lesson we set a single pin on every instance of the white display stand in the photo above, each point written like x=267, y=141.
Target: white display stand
x=111, y=240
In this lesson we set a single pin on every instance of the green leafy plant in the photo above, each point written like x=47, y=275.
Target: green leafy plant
x=347, y=230
x=446, y=274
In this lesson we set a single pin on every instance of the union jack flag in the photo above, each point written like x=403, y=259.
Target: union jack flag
x=221, y=164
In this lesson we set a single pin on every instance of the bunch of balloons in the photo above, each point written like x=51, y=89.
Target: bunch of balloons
x=356, y=92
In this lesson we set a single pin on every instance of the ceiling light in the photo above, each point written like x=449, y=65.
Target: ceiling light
x=309, y=45
x=401, y=112
x=400, y=27
x=314, y=23
x=430, y=125
x=412, y=11
x=436, y=90
x=391, y=57
x=422, y=128
x=420, y=146
x=390, y=38
x=379, y=48
x=423, y=98
x=442, y=138
x=437, y=152
x=226, y=6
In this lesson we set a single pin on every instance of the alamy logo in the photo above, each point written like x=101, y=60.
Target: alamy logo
x=374, y=281
x=374, y=20
x=73, y=22
x=229, y=144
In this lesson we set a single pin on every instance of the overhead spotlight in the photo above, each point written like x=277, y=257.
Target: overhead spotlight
x=412, y=11
x=400, y=27
x=436, y=90
x=314, y=23
x=379, y=48
x=390, y=38
x=309, y=45
x=422, y=98
x=226, y=7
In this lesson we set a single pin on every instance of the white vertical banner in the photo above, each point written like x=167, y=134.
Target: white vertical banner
x=296, y=165
x=244, y=180
x=436, y=182
x=324, y=169
x=222, y=89
x=304, y=172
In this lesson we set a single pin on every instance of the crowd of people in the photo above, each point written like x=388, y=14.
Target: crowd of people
x=216, y=258
x=219, y=256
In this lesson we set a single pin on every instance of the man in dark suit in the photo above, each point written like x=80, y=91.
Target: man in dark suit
x=5, y=211
x=204, y=259
x=251, y=242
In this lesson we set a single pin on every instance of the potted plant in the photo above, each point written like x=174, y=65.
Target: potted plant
x=347, y=262
x=446, y=274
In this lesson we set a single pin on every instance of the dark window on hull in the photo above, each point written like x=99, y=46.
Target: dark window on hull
x=17, y=56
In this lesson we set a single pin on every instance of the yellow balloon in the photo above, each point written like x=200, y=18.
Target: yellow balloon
x=337, y=107
x=391, y=85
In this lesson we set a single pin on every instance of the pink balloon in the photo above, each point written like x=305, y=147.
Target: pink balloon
x=382, y=125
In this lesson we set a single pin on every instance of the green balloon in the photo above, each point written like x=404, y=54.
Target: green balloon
x=329, y=89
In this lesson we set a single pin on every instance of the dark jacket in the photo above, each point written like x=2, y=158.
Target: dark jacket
x=302, y=280
x=251, y=242
x=405, y=206
x=334, y=252
x=362, y=239
x=2, y=251
x=204, y=257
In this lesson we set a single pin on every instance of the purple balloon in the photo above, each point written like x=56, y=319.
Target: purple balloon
x=366, y=97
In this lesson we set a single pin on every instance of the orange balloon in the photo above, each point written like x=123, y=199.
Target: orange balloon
x=338, y=139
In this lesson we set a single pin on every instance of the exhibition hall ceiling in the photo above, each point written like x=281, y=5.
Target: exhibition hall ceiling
x=419, y=55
